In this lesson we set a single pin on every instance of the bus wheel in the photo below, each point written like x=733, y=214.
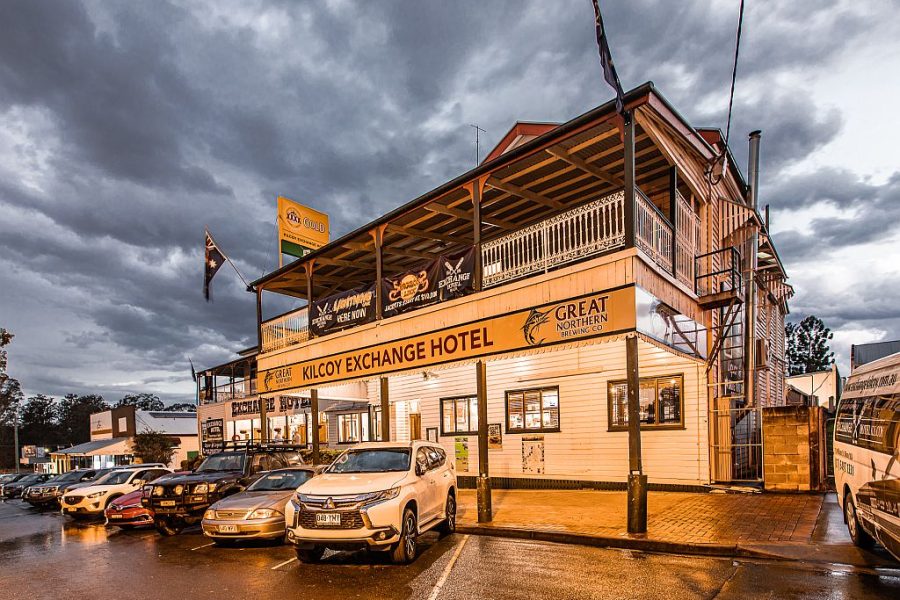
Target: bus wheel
x=857, y=533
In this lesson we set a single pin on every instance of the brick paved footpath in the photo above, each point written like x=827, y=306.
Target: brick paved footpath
x=673, y=517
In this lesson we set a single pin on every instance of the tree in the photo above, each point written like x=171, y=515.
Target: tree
x=153, y=447
x=74, y=416
x=39, y=424
x=181, y=407
x=807, y=346
x=10, y=397
x=141, y=402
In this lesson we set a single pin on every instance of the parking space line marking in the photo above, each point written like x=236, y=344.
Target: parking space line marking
x=443, y=579
x=287, y=562
x=203, y=546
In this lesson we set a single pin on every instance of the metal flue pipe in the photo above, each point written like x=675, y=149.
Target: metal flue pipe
x=750, y=277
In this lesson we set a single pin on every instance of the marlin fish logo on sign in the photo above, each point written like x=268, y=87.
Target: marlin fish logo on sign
x=535, y=319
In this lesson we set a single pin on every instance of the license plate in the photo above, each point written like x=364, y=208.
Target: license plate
x=228, y=528
x=167, y=503
x=328, y=518
x=70, y=509
x=115, y=516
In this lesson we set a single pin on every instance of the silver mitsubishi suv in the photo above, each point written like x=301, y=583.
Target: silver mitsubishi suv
x=379, y=496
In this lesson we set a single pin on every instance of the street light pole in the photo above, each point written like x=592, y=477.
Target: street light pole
x=16, y=432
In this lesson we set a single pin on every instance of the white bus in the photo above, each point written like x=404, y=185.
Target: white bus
x=867, y=454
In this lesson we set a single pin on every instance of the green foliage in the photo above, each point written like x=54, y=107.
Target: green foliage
x=38, y=419
x=153, y=447
x=808, y=349
x=181, y=407
x=141, y=402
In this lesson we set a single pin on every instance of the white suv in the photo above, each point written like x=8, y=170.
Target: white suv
x=379, y=495
x=94, y=498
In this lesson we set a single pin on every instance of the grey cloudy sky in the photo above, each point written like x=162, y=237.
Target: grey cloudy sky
x=125, y=127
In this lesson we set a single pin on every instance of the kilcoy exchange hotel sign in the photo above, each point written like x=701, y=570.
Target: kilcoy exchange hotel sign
x=598, y=314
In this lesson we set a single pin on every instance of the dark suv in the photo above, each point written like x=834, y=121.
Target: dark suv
x=181, y=501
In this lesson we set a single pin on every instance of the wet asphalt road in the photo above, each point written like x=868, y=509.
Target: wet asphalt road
x=45, y=555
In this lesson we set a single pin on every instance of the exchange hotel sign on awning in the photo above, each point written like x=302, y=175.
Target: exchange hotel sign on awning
x=599, y=314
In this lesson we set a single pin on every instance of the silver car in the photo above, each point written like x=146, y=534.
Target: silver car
x=258, y=511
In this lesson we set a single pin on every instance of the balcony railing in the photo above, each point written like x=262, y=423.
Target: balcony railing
x=653, y=233
x=575, y=234
x=285, y=330
x=242, y=388
x=687, y=241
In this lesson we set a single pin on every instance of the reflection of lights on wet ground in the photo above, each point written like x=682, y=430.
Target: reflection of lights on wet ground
x=84, y=532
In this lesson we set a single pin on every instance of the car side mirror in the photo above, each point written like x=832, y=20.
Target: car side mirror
x=138, y=482
x=420, y=469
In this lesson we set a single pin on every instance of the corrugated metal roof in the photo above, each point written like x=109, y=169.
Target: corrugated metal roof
x=92, y=446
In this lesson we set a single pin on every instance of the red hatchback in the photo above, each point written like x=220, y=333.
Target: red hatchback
x=126, y=511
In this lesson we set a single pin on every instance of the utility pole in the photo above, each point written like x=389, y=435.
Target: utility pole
x=477, y=142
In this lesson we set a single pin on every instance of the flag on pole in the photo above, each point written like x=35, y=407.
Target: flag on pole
x=214, y=259
x=193, y=372
x=606, y=61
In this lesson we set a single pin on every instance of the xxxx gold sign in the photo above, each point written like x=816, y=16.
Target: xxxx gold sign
x=300, y=228
x=599, y=314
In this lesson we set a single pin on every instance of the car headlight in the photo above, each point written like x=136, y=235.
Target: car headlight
x=158, y=490
x=201, y=488
x=97, y=494
x=384, y=495
x=209, y=515
x=178, y=489
x=263, y=513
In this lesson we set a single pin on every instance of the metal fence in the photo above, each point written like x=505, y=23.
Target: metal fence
x=736, y=442
x=285, y=330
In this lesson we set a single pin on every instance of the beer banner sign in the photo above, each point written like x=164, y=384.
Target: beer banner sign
x=342, y=310
x=598, y=314
x=437, y=281
x=300, y=228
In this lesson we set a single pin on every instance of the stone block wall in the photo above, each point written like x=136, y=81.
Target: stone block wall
x=794, y=449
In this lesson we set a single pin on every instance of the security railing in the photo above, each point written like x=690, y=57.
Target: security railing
x=584, y=231
x=285, y=330
x=718, y=271
x=240, y=389
x=653, y=233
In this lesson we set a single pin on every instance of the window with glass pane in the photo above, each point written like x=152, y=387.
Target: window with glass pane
x=660, y=401
x=459, y=416
x=532, y=410
x=349, y=427
x=376, y=425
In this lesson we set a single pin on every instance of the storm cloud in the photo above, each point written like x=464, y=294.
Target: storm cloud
x=126, y=128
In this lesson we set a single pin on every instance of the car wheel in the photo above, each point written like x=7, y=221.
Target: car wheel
x=310, y=555
x=449, y=524
x=169, y=526
x=404, y=552
x=857, y=533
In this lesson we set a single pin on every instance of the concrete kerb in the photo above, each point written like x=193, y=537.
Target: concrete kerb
x=625, y=543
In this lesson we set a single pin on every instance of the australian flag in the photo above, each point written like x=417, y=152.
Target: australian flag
x=214, y=259
x=606, y=61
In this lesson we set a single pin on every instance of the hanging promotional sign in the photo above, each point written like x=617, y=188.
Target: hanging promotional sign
x=598, y=314
x=300, y=228
x=343, y=310
x=437, y=281
x=212, y=433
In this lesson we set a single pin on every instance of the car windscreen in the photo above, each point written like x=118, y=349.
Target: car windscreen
x=114, y=478
x=373, y=460
x=280, y=480
x=30, y=479
x=66, y=477
x=225, y=461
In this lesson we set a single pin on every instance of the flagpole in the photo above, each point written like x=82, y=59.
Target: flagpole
x=228, y=260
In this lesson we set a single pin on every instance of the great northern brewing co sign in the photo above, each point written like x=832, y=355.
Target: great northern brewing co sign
x=593, y=315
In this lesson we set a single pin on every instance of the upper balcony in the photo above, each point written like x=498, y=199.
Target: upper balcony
x=578, y=234
x=548, y=196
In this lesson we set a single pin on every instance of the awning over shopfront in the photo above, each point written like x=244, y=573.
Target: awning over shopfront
x=110, y=447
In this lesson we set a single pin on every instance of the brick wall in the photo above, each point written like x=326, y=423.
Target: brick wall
x=794, y=451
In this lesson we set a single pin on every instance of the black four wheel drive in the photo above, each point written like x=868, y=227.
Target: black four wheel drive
x=181, y=501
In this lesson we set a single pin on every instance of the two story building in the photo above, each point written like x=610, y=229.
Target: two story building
x=503, y=313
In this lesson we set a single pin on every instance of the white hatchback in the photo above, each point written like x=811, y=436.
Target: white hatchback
x=93, y=499
x=379, y=496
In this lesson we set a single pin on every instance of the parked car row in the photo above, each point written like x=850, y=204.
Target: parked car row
x=377, y=496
